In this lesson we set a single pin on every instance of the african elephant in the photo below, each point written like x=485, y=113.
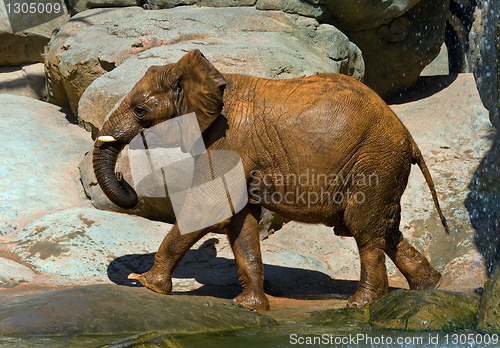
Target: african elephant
x=328, y=125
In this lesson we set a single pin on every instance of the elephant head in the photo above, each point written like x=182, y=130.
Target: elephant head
x=190, y=85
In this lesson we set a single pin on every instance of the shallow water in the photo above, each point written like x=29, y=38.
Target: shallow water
x=287, y=335
x=322, y=336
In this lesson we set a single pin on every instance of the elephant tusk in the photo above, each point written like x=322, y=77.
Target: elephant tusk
x=107, y=139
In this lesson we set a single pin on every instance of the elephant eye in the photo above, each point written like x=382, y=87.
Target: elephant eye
x=140, y=112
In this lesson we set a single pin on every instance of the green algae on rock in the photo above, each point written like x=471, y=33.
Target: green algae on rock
x=339, y=316
x=119, y=310
x=149, y=339
x=425, y=310
x=489, y=316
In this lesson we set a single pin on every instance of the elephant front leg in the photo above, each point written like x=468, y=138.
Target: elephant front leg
x=172, y=249
x=244, y=239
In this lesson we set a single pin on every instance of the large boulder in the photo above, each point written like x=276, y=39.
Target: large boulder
x=78, y=244
x=262, y=43
x=398, y=38
x=27, y=80
x=431, y=310
x=41, y=150
x=277, y=54
x=23, y=35
x=108, y=309
x=489, y=315
x=313, y=9
x=367, y=14
x=485, y=53
x=13, y=273
x=73, y=59
x=76, y=6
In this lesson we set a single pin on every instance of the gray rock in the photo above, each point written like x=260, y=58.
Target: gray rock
x=23, y=35
x=489, y=316
x=27, y=80
x=269, y=223
x=438, y=66
x=83, y=5
x=163, y=4
x=38, y=167
x=484, y=51
x=400, y=43
x=242, y=37
x=303, y=8
x=65, y=84
x=365, y=14
x=431, y=310
x=105, y=309
x=80, y=244
x=279, y=53
x=398, y=37
x=13, y=273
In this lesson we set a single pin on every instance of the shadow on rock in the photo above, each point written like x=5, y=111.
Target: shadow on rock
x=219, y=276
x=483, y=205
x=424, y=88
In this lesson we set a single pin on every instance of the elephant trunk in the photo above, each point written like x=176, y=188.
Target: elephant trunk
x=113, y=185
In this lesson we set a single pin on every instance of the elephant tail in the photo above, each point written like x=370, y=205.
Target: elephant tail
x=419, y=160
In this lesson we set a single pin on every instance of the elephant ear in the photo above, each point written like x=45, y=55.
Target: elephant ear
x=202, y=87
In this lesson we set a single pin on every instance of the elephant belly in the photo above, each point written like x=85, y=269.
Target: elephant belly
x=306, y=203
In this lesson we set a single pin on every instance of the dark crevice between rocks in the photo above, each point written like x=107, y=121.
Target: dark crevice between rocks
x=108, y=66
x=457, y=32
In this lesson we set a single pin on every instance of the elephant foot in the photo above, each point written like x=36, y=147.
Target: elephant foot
x=154, y=281
x=363, y=297
x=430, y=282
x=252, y=300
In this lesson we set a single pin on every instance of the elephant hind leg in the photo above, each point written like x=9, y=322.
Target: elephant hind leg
x=373, y=283
x=369, y=236
x=412, y=264
x=243, y=236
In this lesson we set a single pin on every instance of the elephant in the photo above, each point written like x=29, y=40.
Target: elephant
x=326, y=125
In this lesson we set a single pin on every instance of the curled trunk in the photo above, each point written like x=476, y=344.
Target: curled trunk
x=113, y=185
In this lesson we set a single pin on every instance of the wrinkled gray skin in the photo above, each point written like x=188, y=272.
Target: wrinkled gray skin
x=326, y=124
